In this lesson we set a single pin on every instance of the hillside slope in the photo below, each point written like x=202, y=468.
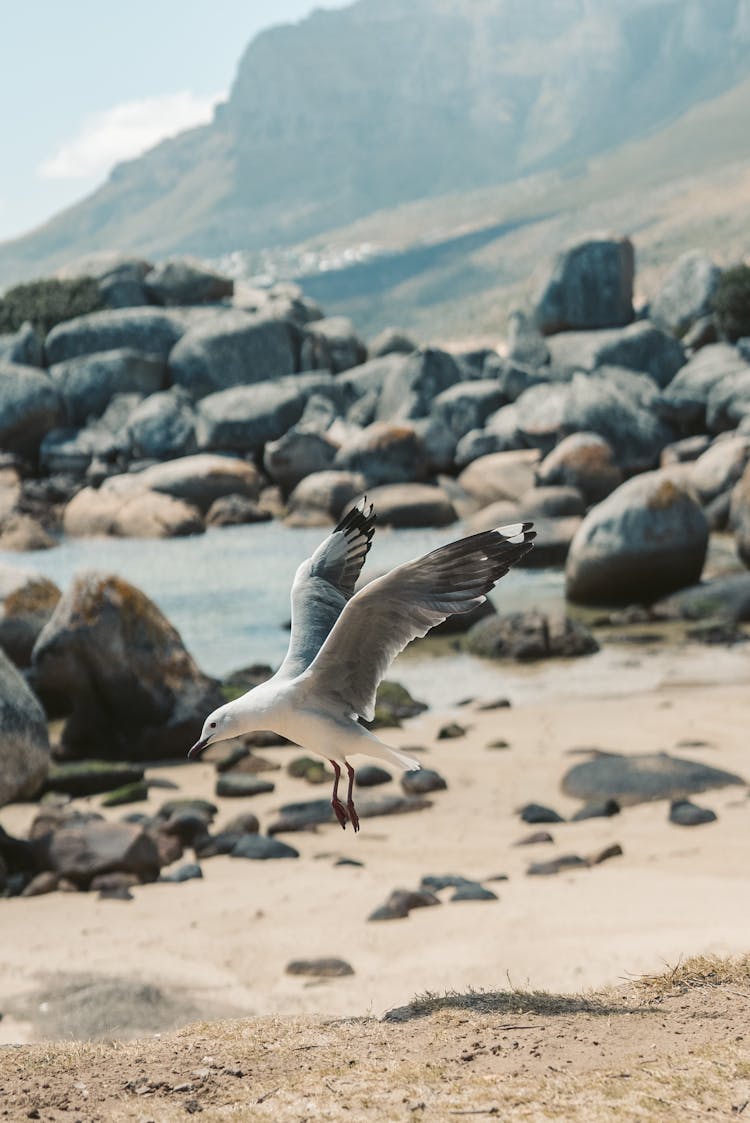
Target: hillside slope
x=388, y=101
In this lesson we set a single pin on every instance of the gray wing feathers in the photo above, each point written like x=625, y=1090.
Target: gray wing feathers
x=391, y=611
x=323, y=584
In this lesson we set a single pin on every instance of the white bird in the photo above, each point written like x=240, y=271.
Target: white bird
x=342, y=643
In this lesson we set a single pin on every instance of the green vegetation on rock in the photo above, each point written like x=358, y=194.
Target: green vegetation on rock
x=48, y=302
x=732, y=302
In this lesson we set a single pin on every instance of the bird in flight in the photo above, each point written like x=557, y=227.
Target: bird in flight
x=343, y=642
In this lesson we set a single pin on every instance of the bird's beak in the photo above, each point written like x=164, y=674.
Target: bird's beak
x=198, y=748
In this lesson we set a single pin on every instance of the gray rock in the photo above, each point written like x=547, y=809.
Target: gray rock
x=87, y=383
x=130, y=688
x=528, y=636
x=149, y=331
x=684, y=450
x=647, y=539
x=236, y=510
x=327, y=492
x=190, y=871
x=719, y=468
x=371, y=776
x=309, y=813
x=129, y=512
x=82, y=851
x=502, y=475
x=473, y=891
x=325, y=968
x=414, y=382
x=451, y=731
x=726, y=598
x=383, y=453
x=479, y=443
x=703, y=331
x=620, y=406
x=640, y=347
x=24, y=745
x=232, y=349
x=422, y=781
x=642, y=777
x=27, y=603
x=684, y=400
x=391, y=341
x=401, y=902
x=260, y=848
x=331, y=344
x=537, y=813
x=589, y=285
x=596, y=809
x=551, y=502
x=186, y=281
x=90, y=777
x=295, y=455
x=686, y=293
x=539, y=416
x=685, y=813
x=556, y=865
x=467, y=405
x=412, y=505
x=536, y=838
x=728, y=401
x=29, y=407
x=23, y=346
x=243, y=419
x=235, y=784
x=368, y=379
x=202, y=479
x=163, y=426
x=526, y=344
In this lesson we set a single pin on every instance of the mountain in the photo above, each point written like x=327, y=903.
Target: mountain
x=385, y=102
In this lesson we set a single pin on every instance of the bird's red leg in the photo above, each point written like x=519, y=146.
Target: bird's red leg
x=338, y=808
x=353, y=816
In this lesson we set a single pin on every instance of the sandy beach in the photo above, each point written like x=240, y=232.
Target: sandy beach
x=220, y=945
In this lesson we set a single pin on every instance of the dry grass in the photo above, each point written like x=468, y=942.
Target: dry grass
x=696, y=971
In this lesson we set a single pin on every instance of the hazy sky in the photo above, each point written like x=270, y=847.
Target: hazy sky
x=84, y=84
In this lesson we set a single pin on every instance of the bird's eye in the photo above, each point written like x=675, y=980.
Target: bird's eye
x=213, y=725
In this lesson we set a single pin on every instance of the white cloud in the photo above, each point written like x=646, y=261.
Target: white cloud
x=125, y=131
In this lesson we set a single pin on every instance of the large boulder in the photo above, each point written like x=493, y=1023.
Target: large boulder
x=641, y=347
x=719, y=467
x=232, y=348
x=642, y=777
x=412, y=505
x=368, y=379
x=27, y=602
x=584, y=461
x=130, y=689
x=383, y=453
x=467, y=405
x=326, y=492
x=23, y=346
x=29, y=407
x=184, y=280
x=124, y=508
x=296, y=454
x=686, y=293
x=620, y=406
x=647, y=539
x=539, y=416
x=331, y=344
x=150, y=331
x=684, y=401
x=728, y=402
x=163, y=426
x=414, y=382
x=589, y=285
x=528, y=636
x=81, y=851
x=201, y=479
x=24, y=746
x=502, y=475
x=243, y=419
x=87, y=383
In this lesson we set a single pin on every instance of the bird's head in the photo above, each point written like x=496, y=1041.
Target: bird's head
x=220, y=725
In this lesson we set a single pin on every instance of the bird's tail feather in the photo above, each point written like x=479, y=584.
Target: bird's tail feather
x=375, y=748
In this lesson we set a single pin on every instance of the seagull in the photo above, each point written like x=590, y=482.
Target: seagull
x=343, y=642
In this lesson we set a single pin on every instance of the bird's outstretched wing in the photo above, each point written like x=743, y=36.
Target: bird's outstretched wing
x=324, y=583
x=391, y=611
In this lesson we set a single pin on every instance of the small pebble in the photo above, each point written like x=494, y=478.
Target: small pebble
x=685, y=813
x=473, y=891
x=324, y=968
x=565, y=862
x=450, y=731
x=422, y=781
x=538, y=813
x=534, y=839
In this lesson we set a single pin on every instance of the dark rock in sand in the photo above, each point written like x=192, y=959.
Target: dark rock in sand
x=596, y=809
x=473, y=891
x=496, y=704
x=534, y=839
x=44, y=882
x=393, y=704
x=371, y=775
x=556, y=865
x=202, y=807
x=189, y=872
x=435, y=883
x=451, y=731
x=309, y=768
x=721, y=597
x=117, y=666
x=244, y=823
x=401, y=902
x=349, y=862
x=319, y=968
x=538, y=813
x=684, y=813
x=613, y=851
x=241, y=784
x=189, y=827
x=260, y=848
x=642, y=777
x=527, y=636
x=81, y=851
x=310, y=813
x=91, y=777
x=423, y=781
